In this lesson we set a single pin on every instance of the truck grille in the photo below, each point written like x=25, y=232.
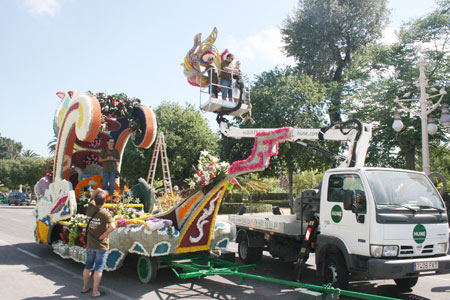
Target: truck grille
x=410, y=251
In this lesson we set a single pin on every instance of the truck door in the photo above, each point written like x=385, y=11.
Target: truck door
x=350, y=227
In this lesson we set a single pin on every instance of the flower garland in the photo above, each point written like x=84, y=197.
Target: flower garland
x=136, y=127
x=209, y=170
x=117, y=105
x=90, y=159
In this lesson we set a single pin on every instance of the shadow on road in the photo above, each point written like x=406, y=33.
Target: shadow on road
x=65, y=275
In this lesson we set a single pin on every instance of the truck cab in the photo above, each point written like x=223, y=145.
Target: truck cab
x=381, y=224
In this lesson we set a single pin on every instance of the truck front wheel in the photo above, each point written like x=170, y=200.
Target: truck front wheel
x=247, y=254
x=335, y=272
x=406, y=283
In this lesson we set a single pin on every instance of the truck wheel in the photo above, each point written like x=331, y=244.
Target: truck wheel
x=335, y=272
x=249, y=255
x=147, y=268
x=406, y=283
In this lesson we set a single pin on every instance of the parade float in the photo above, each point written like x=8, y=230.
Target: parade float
x=83, y=124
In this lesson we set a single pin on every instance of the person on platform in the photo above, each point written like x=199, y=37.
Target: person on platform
x=225, y=77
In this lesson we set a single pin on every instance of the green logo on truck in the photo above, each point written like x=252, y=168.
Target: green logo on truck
x=419, y=233
x=336, y=214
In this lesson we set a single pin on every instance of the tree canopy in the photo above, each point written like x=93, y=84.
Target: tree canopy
x=324, y=35
x=186, y=134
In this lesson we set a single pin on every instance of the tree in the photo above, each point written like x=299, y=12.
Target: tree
x=52, y=146
x=29, y=153
x=385, y=72
x=324, y=35
x=23, y=170
x=186, y=133
x=283, y=98
x=9, y=148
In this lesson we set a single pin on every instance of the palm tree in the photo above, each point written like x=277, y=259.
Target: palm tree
x=29, y=153
x=52, y=146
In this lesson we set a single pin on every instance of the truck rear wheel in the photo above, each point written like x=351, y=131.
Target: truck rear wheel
x=147, y=269
x=335, y=272
x=406, y=283
x=247, y=254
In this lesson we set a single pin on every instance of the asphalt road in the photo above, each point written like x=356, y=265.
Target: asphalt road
x=31, y=271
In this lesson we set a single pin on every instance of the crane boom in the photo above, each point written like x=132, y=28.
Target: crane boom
x=353, y=131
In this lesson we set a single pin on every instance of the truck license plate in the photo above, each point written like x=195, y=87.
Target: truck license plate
x=426, y=265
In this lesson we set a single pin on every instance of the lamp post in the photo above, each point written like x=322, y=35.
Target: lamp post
x=426, y=107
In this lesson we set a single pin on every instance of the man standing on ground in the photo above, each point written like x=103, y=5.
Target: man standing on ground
x=109, y=157
x=100, y=226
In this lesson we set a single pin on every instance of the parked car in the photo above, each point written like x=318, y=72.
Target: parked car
x=3, y=198
x=18, y=199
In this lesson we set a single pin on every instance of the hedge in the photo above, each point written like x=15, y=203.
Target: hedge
x=279, y=203
x=233, y=208
x=238, y=197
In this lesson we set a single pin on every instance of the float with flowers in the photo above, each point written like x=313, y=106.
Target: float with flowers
x=82, y=125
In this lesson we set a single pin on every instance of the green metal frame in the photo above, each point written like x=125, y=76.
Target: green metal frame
x=201, y=265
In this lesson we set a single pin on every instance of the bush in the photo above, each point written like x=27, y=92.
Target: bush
x=279, y=203
x=256, y=197
x=233, y=208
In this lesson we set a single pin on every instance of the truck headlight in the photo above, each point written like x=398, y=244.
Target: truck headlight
x=387, y=251
x=390, y=251
x=376, y=250
x=441, y=248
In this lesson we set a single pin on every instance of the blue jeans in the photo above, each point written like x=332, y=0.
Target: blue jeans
x=213, y=88
x=109, y=179
x=226, y=91
x=95, y=259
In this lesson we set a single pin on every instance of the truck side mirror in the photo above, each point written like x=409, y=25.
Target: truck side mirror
x=349, y=199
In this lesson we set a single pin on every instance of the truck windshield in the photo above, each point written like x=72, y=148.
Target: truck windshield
x=395, y=189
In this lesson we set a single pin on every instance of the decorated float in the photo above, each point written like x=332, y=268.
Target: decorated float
x=83, y=124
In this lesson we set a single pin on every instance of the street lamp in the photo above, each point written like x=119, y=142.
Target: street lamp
x=428, y=124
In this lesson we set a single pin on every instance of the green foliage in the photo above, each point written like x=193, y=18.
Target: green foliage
x=324, y=35
x=9, y=148
x=233, y=208
x=29, y=153
x=23, y=170
x=186, y=134
x=307, y=180
x=383, y=73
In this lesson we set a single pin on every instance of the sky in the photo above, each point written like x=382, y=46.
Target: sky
x=132, y=47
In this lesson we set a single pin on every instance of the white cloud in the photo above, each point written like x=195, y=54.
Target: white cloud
x=265, y=48
x=41, y=7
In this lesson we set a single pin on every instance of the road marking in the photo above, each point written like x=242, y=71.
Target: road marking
x=75, y=275
x=435, y=277
x=28, y=253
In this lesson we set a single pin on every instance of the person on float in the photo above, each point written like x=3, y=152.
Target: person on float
x=109, y=158
x=225, y=77
x=213, y=77
x=100, y=226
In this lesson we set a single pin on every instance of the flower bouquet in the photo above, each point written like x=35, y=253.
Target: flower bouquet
x=208, y=172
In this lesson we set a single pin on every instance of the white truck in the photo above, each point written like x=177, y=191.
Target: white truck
x=361, y=222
